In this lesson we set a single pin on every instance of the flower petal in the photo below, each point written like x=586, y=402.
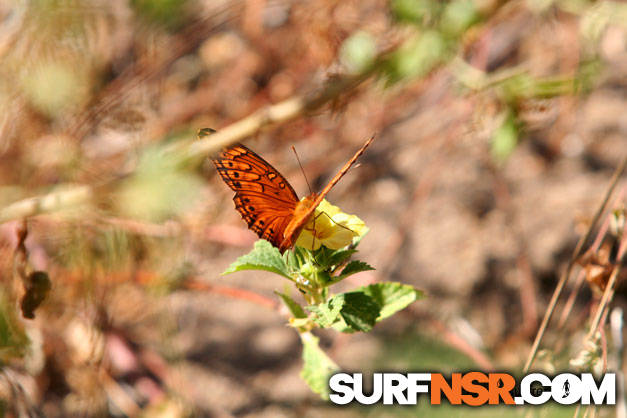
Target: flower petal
x=340, y=239
x=330, y=227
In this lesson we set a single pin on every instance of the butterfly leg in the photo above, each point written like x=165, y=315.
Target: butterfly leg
x=331, y=219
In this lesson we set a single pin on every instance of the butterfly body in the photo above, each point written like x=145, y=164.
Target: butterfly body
x=302, y=213
x=265, y=199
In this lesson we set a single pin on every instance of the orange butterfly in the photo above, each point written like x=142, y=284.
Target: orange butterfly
x=265, y=199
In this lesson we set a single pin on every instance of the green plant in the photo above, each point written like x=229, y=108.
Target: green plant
x=320, y=259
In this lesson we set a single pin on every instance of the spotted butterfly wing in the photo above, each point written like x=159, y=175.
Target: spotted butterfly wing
x=263, y=196
x=305, y=208
x=265, y=199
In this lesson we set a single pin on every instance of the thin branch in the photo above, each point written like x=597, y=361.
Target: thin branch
x=47, y=203
x=604, y=345
x=570, y=303
x=275, y=114
x=608, y=295
x=117, y=395
x=269, y=115
x=232, y=292
x=616, y=327
x=576, y=253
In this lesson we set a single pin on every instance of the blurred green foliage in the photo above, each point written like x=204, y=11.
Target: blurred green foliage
x=13, y=339
x=358, y=52
x=54, y=87
x=159, y=188
x=317, y=366
x=417, y=57
x=168, y=13
x=504, y=138
x=417, y=351
x=457, y=17
x=437, y=28
x=413, y=11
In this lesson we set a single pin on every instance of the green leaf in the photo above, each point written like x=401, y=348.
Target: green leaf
x=295, y=258
x=391, y=296
x=358, y=52
x=13, y=339
x=160, y=187
x=342, y=326
x=299, y=322
x=359, y=310
x=505, y=139
x=321, y=255
x=413, y=11
x=458, y=16
x=264, y=256
x=291, y=304
x=317, y=366
x=169, y=13
x=339, y=256
x=418, y=56
x=328, y=312
x=351, y=268
x=53, y=87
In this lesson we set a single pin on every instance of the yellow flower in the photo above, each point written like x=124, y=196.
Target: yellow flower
x=331, y=227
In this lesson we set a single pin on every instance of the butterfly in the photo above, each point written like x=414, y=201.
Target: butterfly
x=266, y=200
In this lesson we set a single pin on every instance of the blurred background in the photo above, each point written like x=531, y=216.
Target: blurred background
x=499, y=125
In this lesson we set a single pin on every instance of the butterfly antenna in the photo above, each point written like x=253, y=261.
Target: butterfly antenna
x=302, y=170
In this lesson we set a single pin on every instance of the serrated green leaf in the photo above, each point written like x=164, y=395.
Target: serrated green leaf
x=289, y=259
x=328, y=312
x=339, y=256
x=391, y=296
x=351, y=268
x=317, y=366
x=359, y=310
x=294, y=258
x=264, y=256
x=291, y=304
x=341, y=326
x=324, y=277
x=322, y=254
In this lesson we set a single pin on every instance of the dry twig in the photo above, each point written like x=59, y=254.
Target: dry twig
x=274, y=114
x=576, y=253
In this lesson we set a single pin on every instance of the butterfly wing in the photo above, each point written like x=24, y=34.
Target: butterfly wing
x=263, y=196
x=309, y=205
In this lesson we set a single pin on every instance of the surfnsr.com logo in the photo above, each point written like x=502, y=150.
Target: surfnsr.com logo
x=473, y=389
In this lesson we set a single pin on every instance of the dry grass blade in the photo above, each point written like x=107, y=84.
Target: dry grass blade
x=608, y=294
x=576, y=253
